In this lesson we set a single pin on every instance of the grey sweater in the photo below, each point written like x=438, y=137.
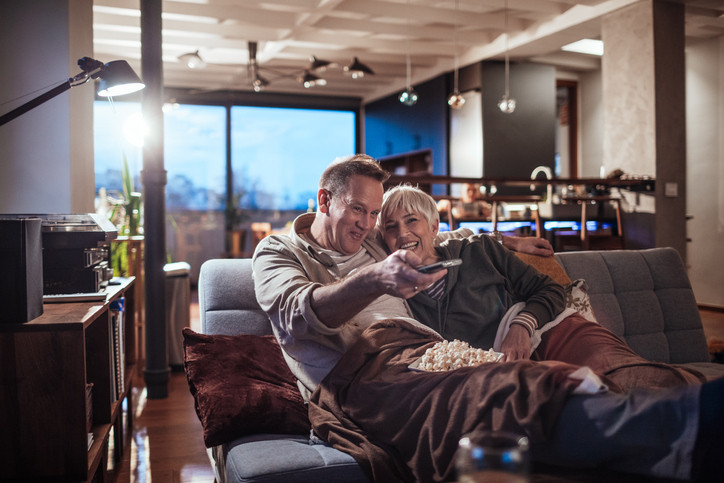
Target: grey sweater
x=480, y=291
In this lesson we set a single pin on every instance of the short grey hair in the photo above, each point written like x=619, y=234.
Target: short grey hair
x=410, y=199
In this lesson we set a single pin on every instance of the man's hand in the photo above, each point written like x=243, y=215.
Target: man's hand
x=528, y=244
x=516, y=344
x=399, y=277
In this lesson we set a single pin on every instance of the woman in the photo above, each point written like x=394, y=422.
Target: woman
x=472, y=300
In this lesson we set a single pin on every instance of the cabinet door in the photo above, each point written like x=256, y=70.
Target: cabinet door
x=43, y=404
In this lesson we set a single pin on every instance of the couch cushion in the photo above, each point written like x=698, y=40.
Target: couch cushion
x=226, y=299
x=643, y=296
x=274, y=458
x=241, y=385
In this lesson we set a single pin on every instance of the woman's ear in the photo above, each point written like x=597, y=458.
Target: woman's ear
x=323, y=200
x=435, y=227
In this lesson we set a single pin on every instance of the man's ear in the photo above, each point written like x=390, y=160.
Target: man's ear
x=323, y=200
x=435, y=227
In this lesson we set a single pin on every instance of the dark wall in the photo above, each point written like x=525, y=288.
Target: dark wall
x=394, y=128
x=514, y=144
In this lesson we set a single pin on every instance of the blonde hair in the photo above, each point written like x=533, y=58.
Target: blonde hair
x=409, y=199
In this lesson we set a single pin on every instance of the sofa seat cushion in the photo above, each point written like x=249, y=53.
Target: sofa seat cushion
x=710, y=370
x=283, y=458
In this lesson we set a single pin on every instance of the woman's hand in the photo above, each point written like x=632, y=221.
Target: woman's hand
x=516, y=344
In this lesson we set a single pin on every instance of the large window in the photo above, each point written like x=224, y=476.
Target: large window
x=277, y=156
x=195, y=157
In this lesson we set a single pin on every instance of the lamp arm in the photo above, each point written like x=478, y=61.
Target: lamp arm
x=83, y=77
x=19, y=111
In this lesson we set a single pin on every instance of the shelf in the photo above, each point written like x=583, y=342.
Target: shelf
x=46, y=365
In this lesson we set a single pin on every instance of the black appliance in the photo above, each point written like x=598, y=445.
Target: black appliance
x=76, y=253
x=21, y=269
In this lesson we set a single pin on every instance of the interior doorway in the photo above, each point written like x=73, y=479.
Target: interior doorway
x=566, y=129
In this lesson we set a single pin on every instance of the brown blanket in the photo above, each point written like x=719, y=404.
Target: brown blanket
x=404, y=425
x=577, y=341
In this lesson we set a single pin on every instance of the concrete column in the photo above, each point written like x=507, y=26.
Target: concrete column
x=156, y=372
x=644, y=107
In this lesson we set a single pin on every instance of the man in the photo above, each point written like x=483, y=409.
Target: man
x=327, y=281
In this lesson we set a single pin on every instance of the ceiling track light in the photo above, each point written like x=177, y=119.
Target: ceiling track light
x=318, y=65
x=357, y=69
x=259, y=83
x=192, y=60
x=456, y=100
x=409, y=96
x=506, y=104
x=307, y=79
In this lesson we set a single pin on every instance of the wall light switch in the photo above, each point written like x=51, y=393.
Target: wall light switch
x=671, y=190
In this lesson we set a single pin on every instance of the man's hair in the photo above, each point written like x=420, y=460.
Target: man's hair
x=409, y=199
x=335, y=177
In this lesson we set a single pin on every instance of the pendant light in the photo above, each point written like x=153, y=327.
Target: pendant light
x=192, y=60
x=456, y=100
x=408, y=97
x=506, y=104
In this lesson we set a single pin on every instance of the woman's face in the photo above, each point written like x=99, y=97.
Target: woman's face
x=410, y=231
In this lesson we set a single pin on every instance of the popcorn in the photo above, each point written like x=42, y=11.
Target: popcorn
x=448, y=356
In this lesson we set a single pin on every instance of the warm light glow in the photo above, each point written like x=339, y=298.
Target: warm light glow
x=506, y=105
x=456, y=100
x=121, y=90
x=134, y=129
x=585, y=46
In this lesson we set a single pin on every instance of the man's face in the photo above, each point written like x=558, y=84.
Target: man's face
x=350, y=215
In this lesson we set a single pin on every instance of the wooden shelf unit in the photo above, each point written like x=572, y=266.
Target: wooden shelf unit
x=45, y=365
x=413, y=163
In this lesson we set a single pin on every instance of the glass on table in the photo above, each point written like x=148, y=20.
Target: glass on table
x=492, y=457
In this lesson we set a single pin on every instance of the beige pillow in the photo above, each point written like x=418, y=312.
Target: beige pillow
x=547, y=265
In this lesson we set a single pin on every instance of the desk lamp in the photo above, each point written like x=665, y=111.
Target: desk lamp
x=117, y=79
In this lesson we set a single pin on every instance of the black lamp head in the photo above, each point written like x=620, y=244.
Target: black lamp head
x=117, y=79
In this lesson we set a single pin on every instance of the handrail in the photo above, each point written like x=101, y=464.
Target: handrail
x=645, y=184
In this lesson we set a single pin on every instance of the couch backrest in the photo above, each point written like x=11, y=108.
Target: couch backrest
x=643, y=296
x=227, y=303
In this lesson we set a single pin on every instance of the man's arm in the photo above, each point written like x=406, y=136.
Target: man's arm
x=302, y=296
x=528, y=244
x=338, y=302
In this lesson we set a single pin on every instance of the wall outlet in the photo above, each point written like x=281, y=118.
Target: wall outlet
x=671, y=190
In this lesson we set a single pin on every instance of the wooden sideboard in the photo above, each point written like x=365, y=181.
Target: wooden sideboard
x=61, y=380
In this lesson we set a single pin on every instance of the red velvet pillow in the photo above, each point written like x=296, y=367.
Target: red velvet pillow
x=241, y=385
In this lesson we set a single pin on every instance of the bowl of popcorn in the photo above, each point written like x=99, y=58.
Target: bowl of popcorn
x=450, y=355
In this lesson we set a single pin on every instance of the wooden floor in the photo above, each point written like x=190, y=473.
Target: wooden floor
x=167, y=446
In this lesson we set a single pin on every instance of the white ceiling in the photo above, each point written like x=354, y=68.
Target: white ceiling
x=378, y=32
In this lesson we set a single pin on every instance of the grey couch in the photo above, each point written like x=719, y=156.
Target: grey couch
x=644, y=296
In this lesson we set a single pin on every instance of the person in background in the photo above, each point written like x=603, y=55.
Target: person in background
x=470, y=205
